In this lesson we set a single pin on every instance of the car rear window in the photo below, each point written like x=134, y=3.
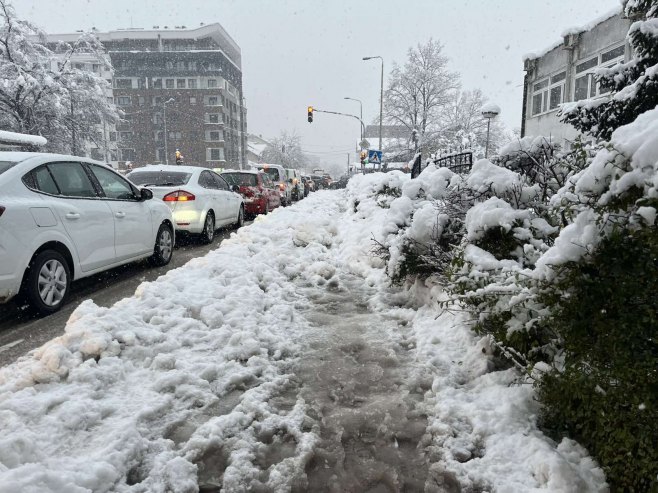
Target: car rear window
x=5, y=165
x=241, y=179
x=272, y=172
x=159, y=178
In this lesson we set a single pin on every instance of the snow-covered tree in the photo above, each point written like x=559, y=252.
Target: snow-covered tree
x=634, y=84
x=419, y=91
x=41, y=91
x=463, y=126
x=286, y=150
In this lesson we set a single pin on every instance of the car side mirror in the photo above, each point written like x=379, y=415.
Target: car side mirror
x=145, y=194
x=235, y=188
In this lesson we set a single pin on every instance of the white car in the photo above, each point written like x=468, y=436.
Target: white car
x=65, y=217
x=200, y=200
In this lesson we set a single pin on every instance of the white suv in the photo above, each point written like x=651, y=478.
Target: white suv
x=64, y=218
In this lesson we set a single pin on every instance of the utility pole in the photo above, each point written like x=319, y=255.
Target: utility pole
x=381, y=99
x=164, y=119
x=348, y=164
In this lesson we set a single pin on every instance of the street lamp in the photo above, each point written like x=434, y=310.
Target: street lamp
x=489, y=111
x=381, y=98
x=164, y=119
x=360, y=113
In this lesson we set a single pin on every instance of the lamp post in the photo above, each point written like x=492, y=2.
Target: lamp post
x=360, y=112
x=381, y=98
x=164, y=119
x=489, y=112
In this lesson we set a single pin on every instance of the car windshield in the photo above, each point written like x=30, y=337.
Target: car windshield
x=159, y=178
x=241, y=179
x=5, y=165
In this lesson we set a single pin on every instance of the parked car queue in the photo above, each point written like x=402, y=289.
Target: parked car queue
x=63, y=218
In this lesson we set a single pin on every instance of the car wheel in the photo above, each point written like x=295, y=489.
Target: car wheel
x=240, y=222
x=208, y=233
x=48, y=281
x=164, y=246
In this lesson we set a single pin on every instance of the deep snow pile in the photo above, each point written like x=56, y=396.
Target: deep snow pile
x=149, y=394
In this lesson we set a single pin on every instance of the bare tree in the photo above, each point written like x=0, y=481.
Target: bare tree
x=286, y=150
x=419, y=91
x=41, y=90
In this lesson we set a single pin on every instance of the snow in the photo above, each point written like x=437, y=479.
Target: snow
x=183, y=378
x=21, y=139
x=490, y=108
x=486, y=176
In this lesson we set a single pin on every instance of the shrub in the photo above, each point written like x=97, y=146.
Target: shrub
x=606, y=394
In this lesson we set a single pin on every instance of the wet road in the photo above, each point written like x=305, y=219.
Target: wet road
x=22, y=330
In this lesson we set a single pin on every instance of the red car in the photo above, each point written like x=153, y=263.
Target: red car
x=257, y=188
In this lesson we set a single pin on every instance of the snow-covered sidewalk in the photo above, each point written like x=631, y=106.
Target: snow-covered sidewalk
x=281, y=361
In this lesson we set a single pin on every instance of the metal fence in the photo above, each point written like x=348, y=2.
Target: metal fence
x=460, y=163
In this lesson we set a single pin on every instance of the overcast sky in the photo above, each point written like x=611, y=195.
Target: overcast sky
x=308, y=52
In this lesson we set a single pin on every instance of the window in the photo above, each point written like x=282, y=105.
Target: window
x=123, y=83
x=191, y=65
x=212, y=101
x=159, y=135
x=157, y=100
x=215, y=154
x=212, y=117
x=123, y=100
x=157, y=118
x=127, y=154
x=192, y=100
x=212, y=83
x=581, y=67
x=213, y=135
x=613, y=54
x=113, y=136
x=180, y=83
x=191, y=83
x=144, y=176
x=175, y=135
x=221, y=182
x=169, y=83
x=141, y=83
x=141, y=101
x=96, y=68
x=206, y=180
x=72, y=180
x=180, y=65
x=125, y=135
x=43, y=181
x=169, y=65
x=547, y=94
x=157, y=83
x=160, y=153
x=114, y=187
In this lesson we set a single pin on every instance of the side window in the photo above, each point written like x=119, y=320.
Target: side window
x=221, y=182
x=206, y=180
x=72, y=180
x=114, y=186
x=43, y=181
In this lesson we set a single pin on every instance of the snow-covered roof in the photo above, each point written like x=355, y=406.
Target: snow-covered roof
x=13, y=138
x=574, y=30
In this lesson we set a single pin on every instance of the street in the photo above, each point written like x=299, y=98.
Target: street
x=21, y=330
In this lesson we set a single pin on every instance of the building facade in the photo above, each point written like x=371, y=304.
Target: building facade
x=178, y=89
x=565, y=72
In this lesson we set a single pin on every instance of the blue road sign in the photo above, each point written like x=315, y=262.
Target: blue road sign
x=374, y=156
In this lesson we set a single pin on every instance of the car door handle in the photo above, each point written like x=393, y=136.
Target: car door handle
x=120, y=214
x=72, y=215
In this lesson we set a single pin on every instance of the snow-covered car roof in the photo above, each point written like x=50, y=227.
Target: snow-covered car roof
x=169, y=167
x=249, y=171
x=19, y=156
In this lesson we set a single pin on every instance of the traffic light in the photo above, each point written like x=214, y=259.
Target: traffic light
x=310, y=114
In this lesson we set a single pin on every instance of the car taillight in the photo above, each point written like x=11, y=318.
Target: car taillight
x=247, y=191
x=2, y=210
x=282, y=186
x=178, y=196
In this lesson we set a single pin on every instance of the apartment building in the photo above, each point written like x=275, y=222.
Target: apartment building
x=178, y=88
x=564, y=72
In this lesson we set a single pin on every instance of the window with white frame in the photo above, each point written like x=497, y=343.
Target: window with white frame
x=215, y=154
x=585, y=85
x=127, y=154
x=212, y=118
x=123, y=100
x=547, y=94
x=213, y=135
